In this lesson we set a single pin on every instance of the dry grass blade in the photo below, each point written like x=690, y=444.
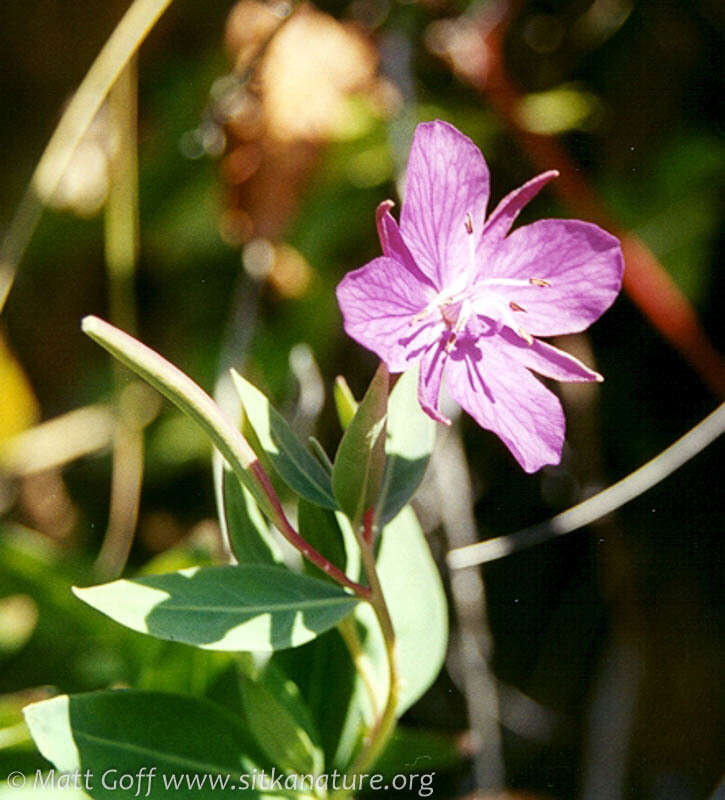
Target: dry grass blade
x=115, y=54
x=635, y=484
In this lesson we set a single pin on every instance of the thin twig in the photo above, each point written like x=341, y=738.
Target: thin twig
x=635, y=484
x=384, y=724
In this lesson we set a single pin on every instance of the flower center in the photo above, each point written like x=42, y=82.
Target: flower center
x=486, y=297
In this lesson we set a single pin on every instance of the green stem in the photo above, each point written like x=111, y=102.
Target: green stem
x=348, y=631
x=384, y=725
x=121, y=249
x=121, y=223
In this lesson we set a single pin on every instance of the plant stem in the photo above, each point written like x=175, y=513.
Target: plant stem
x=121, y=223
x=385, y=724
x=121, y=249
x=196, y=403
x=348, y=631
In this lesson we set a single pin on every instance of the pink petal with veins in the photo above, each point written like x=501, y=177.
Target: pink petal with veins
x=502, y=217
x=583, y=264
x=392, y=242
x=446, y=179
x=546, y=359
x=466, y=299
x=504, y=397
x=379, y=302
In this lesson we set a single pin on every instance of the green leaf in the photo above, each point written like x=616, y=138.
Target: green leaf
x=297, y=467
x=31, y=792
x=328, y=532
x=408, y=447
x=280, y=721
x=249, y=536
x=186, y=395
x=320, y=454
x=327, y=678
x=357, y=473
x=245, y=607
x=118, y=733
x=345, y=401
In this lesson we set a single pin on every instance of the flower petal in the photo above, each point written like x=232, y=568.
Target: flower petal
x=504, y=397
x=446, y=179
x=546, y=359
x=429, y=380
x=582, y=263
x=378, y=304
x=502, y=217
x=392, y=242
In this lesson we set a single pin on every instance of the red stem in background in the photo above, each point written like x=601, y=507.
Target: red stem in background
x=646, y=281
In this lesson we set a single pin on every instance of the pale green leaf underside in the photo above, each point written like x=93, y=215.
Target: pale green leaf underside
x=418, y=608
x=417, y=603
x=245, y=607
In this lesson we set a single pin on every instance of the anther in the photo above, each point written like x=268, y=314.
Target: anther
x=538, y=282
x=419, y=316
x=525, y=335
x=468, y=222
x=516, y=307
x=451, y=342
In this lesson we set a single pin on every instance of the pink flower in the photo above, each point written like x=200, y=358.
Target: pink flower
x=464, y=297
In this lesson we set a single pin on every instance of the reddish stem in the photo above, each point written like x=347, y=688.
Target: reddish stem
x=368, y=519
x=289, y=533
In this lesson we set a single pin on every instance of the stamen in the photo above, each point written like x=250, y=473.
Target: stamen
x=516, y=307
x=450, y=344
x=423, y=313
x=468, y=222
x=522, y=282
x=525, y=335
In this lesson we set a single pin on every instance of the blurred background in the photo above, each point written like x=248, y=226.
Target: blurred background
x=266, y=139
